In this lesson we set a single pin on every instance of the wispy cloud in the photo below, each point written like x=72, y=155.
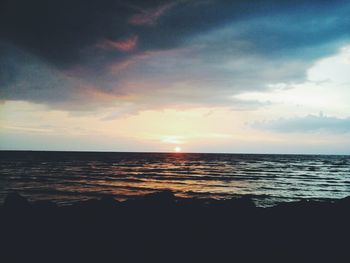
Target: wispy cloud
x=125, y=45
x=149, y=17
x=309, y=123
x=121, y=66
x=141, y=57
x=27, y=129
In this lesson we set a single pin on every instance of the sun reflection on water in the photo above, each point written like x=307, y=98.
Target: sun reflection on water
x=81, y=177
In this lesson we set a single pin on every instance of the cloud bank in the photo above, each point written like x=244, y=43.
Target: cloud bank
x=86, y=54
x=309, y=123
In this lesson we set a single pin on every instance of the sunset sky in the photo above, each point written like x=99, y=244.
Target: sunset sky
x=205, y=76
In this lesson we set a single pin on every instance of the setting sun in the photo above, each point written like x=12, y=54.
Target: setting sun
x=177, y=149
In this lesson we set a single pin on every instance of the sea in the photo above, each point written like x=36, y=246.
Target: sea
x=68, y=177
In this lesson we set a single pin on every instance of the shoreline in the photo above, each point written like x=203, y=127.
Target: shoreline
x=14, y=200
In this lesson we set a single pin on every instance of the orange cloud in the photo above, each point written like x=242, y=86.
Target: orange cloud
x=122, y=45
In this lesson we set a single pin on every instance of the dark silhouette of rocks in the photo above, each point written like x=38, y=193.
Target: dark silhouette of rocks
x=104, y=202
x=242, y=203
x=14, y=201
x=344, y=202
x=159, y=199
x=44, y=204
x=164, y=228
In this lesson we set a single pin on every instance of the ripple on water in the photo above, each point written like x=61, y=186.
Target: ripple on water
x=64, y=176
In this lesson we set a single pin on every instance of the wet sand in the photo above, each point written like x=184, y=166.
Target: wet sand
x=164, y=228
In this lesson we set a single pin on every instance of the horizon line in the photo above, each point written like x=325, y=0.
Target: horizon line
x=170, y=152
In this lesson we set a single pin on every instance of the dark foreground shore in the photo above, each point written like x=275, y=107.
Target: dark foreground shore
x=163, y=228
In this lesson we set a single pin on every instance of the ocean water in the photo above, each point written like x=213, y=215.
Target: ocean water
x=67, y=177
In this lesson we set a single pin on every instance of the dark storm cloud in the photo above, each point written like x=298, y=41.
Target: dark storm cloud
x=205, y=51
x=60, y=30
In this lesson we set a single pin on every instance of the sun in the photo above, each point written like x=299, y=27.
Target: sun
x=177, y=149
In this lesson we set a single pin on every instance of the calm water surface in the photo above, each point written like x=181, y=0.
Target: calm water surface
x=72, y=176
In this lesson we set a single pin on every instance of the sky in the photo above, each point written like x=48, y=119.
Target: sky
x=197, y=75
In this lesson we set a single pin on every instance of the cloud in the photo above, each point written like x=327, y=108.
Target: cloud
x=25, y=77
x=309, y=123
x=191, y=76
x=127, y=63
x=150, y=16
x=60, y=31
x=202, y=52
x=123, y=45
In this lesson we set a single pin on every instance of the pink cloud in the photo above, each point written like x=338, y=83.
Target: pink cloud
x=149, y=17
x=122, y=45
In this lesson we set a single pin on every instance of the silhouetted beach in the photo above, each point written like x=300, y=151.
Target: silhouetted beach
x=164, y=228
